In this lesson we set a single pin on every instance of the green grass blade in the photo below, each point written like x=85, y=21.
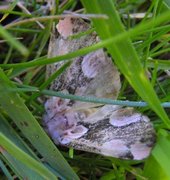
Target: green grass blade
x=84, y=98
x=19, y=168
x=5, y=170
x=11, y=134
x=162, y=64
x=124, y=53
x=25, y=121
x=13, y=42
x=140, y=29
x=11, y=148
x=11, y=7
x=44, y=39
x=159, y=161
x=165, y=5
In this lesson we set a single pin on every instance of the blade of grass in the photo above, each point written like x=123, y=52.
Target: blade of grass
x=11, y=7
x=124, y=53
x=85, y=98
x=165, y=5
x=11, y=134
x=160, y=45
x=159, y=161
x=8, y=55
x=132, y=32
x=8, y=147
x=47, y=31
x=44, y=39
x=13, y=42
x=22, y=14
x=5, y=170
x=46, y=18
x=20, y=169
x=162, y=64
x=157, y=36
x=165, y=50
x=150, y=35
x=26, y=30
x=16, y=109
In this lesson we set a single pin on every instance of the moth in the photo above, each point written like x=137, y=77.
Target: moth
x=103, y=129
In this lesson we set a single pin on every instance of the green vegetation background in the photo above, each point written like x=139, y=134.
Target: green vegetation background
x=137, y=45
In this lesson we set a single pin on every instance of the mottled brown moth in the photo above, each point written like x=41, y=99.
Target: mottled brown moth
x=106, y=129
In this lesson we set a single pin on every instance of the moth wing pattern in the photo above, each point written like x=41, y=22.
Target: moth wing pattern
x=106, y=129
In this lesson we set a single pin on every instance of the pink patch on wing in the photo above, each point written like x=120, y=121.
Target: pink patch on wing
x=140, y=151
x=115, y=148
x=65, y=27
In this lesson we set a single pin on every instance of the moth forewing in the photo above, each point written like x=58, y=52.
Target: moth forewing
x=104, y=129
